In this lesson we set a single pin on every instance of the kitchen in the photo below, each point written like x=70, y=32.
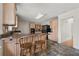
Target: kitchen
x=15, y=28
x=39, y=29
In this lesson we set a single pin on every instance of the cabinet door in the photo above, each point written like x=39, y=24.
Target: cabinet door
x=9, y=47
x=9, y=13
x=32, y=25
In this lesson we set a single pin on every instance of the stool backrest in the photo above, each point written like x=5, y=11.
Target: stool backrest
x=42, y=36
x=26, y=39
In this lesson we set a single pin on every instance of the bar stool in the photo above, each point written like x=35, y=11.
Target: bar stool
x=40, y=43
x=25, y=45
x=43, y=42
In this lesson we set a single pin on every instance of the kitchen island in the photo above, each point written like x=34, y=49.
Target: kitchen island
x=11, y=46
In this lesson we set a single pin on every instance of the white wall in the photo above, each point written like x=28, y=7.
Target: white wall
x=75, y=29
x=23, y=26
x=1, y=18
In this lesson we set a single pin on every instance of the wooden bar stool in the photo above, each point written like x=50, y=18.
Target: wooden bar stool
x=25, y=45
x=37, y=46
x=43, y=42
x=32, y=37
x=40, y=44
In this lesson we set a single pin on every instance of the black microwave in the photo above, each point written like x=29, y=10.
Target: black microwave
x=32, y=31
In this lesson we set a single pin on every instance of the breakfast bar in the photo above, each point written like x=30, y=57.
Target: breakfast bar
x=11, y=44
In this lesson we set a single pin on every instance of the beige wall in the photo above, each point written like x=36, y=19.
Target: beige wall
x=23, y=26
x=1, y=18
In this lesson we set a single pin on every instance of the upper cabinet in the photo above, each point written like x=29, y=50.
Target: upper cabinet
x=37, y=27
x=9, y=14
x=32, y=25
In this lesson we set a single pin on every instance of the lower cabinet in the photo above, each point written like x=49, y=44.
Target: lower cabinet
x=9, y=48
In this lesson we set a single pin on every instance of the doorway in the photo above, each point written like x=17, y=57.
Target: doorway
x=67, y=32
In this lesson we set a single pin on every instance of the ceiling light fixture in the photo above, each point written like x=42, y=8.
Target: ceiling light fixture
x=39, y=16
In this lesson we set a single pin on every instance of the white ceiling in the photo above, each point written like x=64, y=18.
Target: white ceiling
x=29, y=11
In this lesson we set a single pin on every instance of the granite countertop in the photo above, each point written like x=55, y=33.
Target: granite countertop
x=18, y=35
x=5, y=34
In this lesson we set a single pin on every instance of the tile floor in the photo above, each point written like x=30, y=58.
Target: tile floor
x=55, y=49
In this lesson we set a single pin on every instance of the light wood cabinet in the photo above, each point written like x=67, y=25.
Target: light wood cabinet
x=54, y=29
x=32, y=25
x=9, y=47
x=37, y=27
x=9, y=13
